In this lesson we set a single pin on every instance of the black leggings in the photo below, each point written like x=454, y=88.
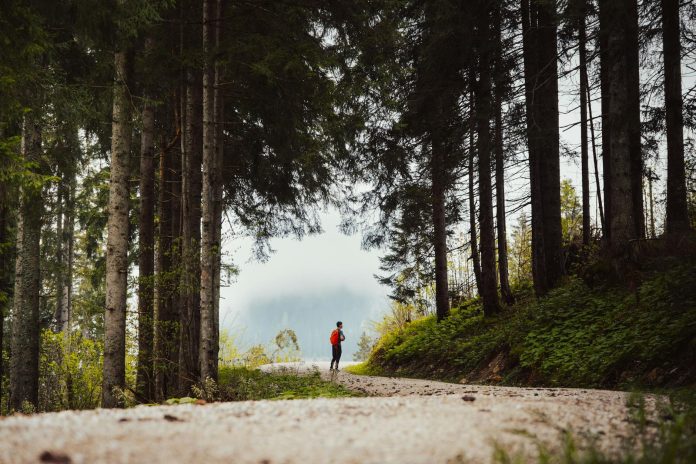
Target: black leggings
x=336, y=353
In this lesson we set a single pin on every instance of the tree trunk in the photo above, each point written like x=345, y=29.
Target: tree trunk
x=584, y=152
x=117, y=240
x=475, y=256
x=69, y=244
x=146, y=261
x=166, y=317
x=594, y=156
x=549, y=156
x=218, y=192
x=191, y=235
x=531, y=69
x=4, y=281
x=439, y=226
x=60, y=261
x=489, y=281
x=209, y=252
x=505, y=290
x=24, y=363
x=623, y=192
x=677, y=221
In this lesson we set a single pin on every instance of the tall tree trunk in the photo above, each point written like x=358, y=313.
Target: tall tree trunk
x=584, y=152
x=60, y=261
x=677, y=221
x=166, y=317
x=24, y=363
x=549, y=156
x=530, y=42
x=439, y=226
x=475, y=256
x=594, y=157
x=191, y=235
x=218, y=192
x=489, y=281
x=146, y=261
x=209, y=252
x=501, y=222
x=176, y=304
x=69, y=246
x=623, y=194
x=117, y=240
x=4, y=270
x=4, y=279
x=606, y=127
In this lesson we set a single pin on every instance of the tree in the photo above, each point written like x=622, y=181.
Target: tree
x=146, y=262
x=677, y=221
x=541, y=96
x=210, y=247
x=623, y=162
x=489, y=281
x=500, y=78
x=365, y=346
x=24, y=363
x=117, y=238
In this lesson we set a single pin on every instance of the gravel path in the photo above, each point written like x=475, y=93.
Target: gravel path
x=406, y=421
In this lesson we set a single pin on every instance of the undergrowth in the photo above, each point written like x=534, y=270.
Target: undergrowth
x=578, y=336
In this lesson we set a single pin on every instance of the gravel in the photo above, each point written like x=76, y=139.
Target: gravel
x=403, y=421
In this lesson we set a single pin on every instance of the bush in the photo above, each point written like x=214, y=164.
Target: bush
x=70, y=372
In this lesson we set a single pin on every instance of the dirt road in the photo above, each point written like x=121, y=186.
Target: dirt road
x=407, y=421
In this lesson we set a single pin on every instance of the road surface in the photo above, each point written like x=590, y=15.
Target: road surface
x=403, y=421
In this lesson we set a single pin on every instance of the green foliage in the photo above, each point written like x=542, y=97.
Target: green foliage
x=70, y=374
x=242, y=384
x=576, y=336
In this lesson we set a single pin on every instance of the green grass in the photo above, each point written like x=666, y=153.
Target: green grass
x=363, y=369
x=242, y=384
x=578, y=336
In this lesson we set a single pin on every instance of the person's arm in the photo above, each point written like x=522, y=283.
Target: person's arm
x=343, y=337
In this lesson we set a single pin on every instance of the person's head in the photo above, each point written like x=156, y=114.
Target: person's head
x=339, y=324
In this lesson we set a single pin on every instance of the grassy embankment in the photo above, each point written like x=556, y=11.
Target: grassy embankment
x=602, y=336
x=243, y=384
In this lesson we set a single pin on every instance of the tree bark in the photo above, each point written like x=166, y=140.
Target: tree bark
x=584, y=152
x=191, y=234
x=117, y=240
x=623, y=191
x=475, y=256
x=209, y=251
x=24, y=363
x=594, y=157
x=166, y=317
x=146, y=261
x=501, y=222
x=438, y=180
x=489, y=281
x=218, y=192
x=677, y=221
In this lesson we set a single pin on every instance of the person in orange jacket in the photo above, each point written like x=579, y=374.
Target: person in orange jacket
x=336, y=338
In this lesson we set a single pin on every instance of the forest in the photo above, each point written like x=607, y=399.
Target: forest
x=525, y=168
